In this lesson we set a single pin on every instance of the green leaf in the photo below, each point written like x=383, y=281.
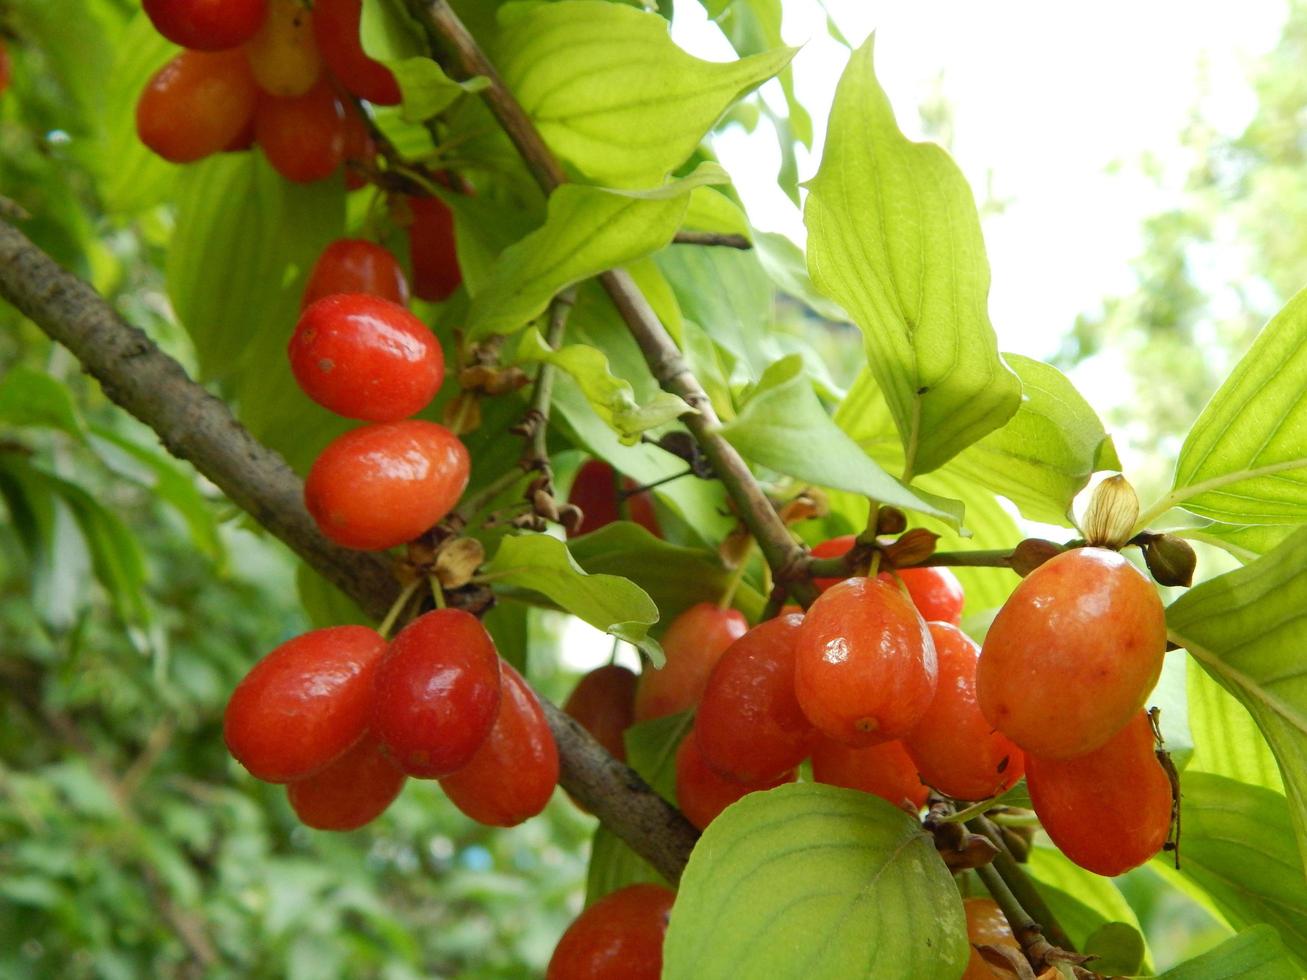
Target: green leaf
x=1245, y=459
x=1227, y=742
x=612, y=398
x=807, y=880
x=610, y=91
x=325, y=604
x=711, y=210
x=1256, y=953
x=1084, y=903
x=787, y=267
x=1245, y=629
x=1118, y=949
x=427, y=90
x=784, y=427
x=613, y=865
x=1244, y=541
x=894, y=238
x=29, y=397
x=588, y=230
x=616, y=605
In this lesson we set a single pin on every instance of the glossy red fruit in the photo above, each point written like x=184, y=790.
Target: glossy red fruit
x=437, y=693
x=865, y=667
x=384, y=484
x=954, y=748
x=207, y=25
x=833, y=548
x=336, y=28
x=513, y=774
x=884, y=770
x=595, y=491
x=619, y=937
x=196, y=105
x=702, y=793
x=304, y=704
x=355, y=265
x=603, y=702
x=302, y=137
x=749, y=725
x=351, y=792
x=283, y=54
x=1110, y=810
x=693, y=643
x=364, y=357
x=1072, y=654
x=936, y=592
x=431, y=249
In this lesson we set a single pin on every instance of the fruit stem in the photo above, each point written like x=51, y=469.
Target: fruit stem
x=437, y=593
x=737, y=576
x=1018, y=885
x=397, y=607
x=1027, y=931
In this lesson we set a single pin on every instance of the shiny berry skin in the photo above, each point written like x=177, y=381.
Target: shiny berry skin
x=364, y=357
x=954, y=748
x=1072, y=654
x=302, y=137
x=936, y=592
x=351, y=792
x=355, y=265
x=304, y=704
x=987, y=926
x=437, y=693
x=865, y=667
x=431, y=250
x=603, y=702
x=336, y=28
x=595, y=491
x=833, y=548
x=619, y=937
x=1110, y=810
x=702, y=793
x=884, y=770
x=384, y=484
x=513, y=774
x=749, y=726
x=283, y=54
x=693, y=643
x=196, y=105
x=207, y=25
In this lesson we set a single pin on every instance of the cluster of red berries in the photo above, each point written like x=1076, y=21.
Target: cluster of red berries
x=343, y=718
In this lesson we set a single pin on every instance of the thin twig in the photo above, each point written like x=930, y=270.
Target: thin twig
x=719, y=239
x=1019, y=884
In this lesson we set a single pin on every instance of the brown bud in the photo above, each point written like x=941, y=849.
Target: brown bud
x=571, y=517
x=808, y=504
x=458, y=561
x=735, y=548
x=542, y=502
x=1110, y=519
x=1170, y=559
x=891, y=520
x=973, y=851
x=912, y=548
x=462, y=413
x=1031, y=553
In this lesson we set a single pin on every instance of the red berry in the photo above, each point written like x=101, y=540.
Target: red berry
x=834, y=548
x=303, y=137
x=437, y=693
x=595, y=491
x=355, y=265
x=749, y=725
x=865, y=667
x=693, y=643
x=6, y=67
x=702, y=793
x=1109, y=810
x=619, y=937
x=283, y=55
x=352, y=791
x=384, y=484
x=513, y=774
x=304, y=704
x=207, y=25
x=1073, y=653
x=884, y=770
x=936, y=592
x=603, y=702
x=365, y=357
x=196, y=105
x=431, y=248
x=955, y=749
x=336, y=27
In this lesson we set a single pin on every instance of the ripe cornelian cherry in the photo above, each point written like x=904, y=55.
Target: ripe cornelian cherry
x=384, y=484
x=196, y=105
x=595, y=491
x=355, y=265
x=1109, y=810
x=437, y=693
x=749, y=726
x=603, y=702
x=283, y=54
x=987, y=926
x=865, y=667
x=884, y=770
x=936, y=592
x=431, y=249
x=336, y=28
x=352, y=791
x=619, y=937
x=833, y=548
x=513, y=774
x=365, y=357
x=693, y=643
x=302, y=137
x=954, y=748
x=702, y=793
x=304, y=704
x=207, y=25
x=1072, y=654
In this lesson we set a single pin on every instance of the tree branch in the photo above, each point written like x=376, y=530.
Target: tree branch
x=717, y=238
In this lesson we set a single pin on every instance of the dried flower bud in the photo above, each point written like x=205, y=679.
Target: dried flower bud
x=808, y=504
x=912, y=548
x=891, y=520
x=458, y=561
x=462, y=413
x=1110, y=519
x=1170, y=559
x=1031, y=553
x=735, y=548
